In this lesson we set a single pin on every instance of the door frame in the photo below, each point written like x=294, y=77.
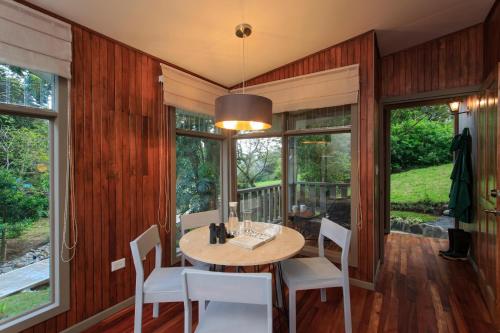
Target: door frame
x=489, y=294
x=386, y=105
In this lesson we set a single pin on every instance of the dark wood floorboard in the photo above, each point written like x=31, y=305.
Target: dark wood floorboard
x=417, y=291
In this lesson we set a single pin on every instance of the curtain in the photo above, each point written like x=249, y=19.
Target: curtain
x=339, y=86
x=34, y=40
x=188, y=92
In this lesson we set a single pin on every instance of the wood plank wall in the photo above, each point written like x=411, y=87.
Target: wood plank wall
x=492, y=39
x=359, y=50
x=452, y=61
x=120, y=131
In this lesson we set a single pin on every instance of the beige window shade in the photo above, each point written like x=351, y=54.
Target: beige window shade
x=188, y=92
x=34, y=40
x=334, y=87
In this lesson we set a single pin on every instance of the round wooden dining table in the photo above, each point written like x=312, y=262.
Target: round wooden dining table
x=287, y=243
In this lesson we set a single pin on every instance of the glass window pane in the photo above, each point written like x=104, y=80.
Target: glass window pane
x=329, y=117
x=258, y=163
x=198, y=172
x=198, y=122
x=275, y=128
x=24, y=215
x=319, y=182
x=21, y=86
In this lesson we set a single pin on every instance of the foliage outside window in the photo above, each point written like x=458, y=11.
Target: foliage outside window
x=198, y=174
x=319, y=171
x=191, y=121
x=198, y=151
x=25, y=172
x=420, y=137
x=258, y=162
x=24, y=87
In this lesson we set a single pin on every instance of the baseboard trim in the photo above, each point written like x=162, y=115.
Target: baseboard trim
x=362, y=284
x=98, y=317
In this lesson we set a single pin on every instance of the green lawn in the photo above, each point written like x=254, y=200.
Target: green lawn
x=430, y=184
x=268, y=183
x=13, y=305
x=406, y=214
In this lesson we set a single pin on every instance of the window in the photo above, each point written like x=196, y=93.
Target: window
x=32, y=178
x=299, y=171
x=198, y=165
x=329, y=117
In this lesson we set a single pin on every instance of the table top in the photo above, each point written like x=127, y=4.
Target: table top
x=287, y=243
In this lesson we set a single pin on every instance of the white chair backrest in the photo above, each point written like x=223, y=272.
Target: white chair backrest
x=143, y=244
x=248, y=288
x=339, y=235
x=196, y=220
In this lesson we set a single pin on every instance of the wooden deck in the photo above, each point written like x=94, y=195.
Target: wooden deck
x=417, y=291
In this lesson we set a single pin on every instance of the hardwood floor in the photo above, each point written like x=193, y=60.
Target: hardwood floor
x=417, y=291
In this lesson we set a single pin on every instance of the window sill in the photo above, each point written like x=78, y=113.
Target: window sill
x=32, y=318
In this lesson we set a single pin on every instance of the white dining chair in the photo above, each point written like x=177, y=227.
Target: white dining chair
x=228, y=302
x=196, y=220
x=164, y=284
x=319, y=272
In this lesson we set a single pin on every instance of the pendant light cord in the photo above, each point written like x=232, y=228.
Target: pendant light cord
x=243, y=71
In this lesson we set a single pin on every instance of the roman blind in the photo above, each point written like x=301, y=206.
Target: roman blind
x=34, y=40
x=333, y=87
x=188, y=92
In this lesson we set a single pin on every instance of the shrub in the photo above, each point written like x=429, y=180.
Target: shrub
x=420, y=137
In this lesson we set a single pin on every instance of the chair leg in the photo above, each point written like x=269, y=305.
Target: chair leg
x=156, y=310
x=292, y=321
x=138, y=316
x=323, y=295
x=279, y=289
x=347, y=308
x=202, y=306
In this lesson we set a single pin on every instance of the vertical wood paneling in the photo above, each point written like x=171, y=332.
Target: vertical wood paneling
x=117, y=108
x=452, y=61
x=492, y=39
x=357, y=50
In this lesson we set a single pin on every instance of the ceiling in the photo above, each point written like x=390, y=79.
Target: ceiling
x=199, y=35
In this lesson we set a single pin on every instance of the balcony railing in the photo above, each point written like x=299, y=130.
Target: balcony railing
x=265, y=201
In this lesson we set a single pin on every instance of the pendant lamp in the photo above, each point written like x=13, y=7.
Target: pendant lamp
x=244, y=112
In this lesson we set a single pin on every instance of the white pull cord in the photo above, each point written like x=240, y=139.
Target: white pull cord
x=69, y=203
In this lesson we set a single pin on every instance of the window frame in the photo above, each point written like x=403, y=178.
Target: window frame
x=224, y=179
x=59, y=269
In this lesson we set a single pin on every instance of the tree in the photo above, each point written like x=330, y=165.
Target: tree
x=257, y=160
x=322, y=158
x=420, y=137
x=25, y=87
x=17, y=206
x=197, y=170
x=24, y=152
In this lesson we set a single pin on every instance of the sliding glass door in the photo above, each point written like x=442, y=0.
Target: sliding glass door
x=319, y=182
x=321, y=176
